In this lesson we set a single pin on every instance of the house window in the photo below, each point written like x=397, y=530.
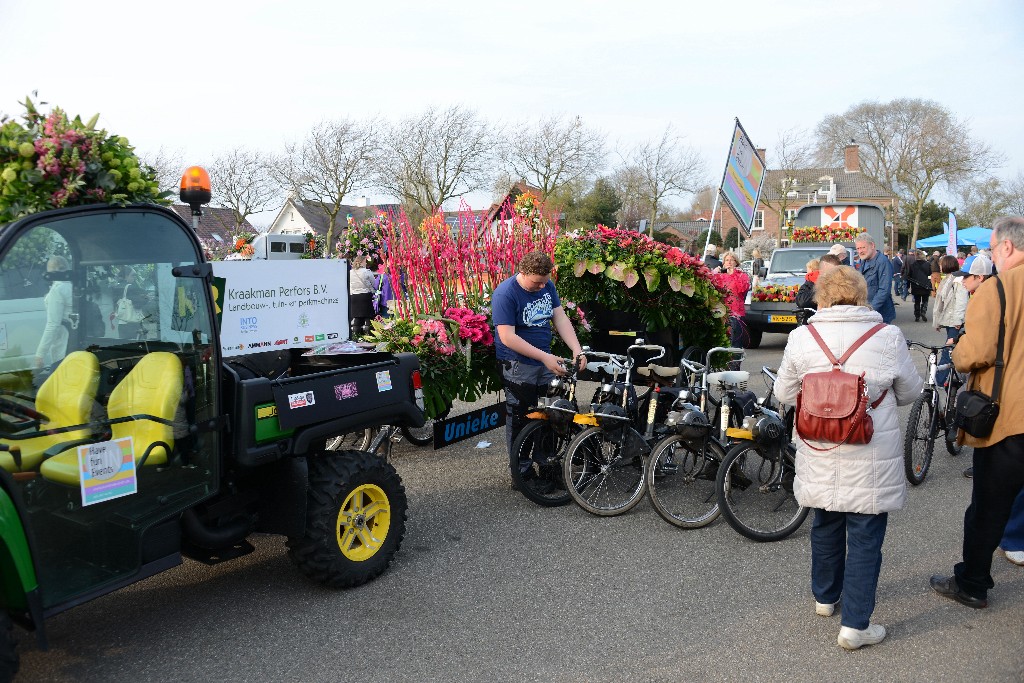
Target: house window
x=758, y=220
x=791, y=215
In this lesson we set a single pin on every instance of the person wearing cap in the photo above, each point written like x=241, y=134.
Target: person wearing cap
x=710, y=257
x=840, y=251
x=950, y=308
x=877, y=271
x=936, y=275
x=999, y=457
x=919, y=273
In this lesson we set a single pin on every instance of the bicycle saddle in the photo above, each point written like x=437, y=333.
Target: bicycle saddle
x=729, y=377
x=666, y=372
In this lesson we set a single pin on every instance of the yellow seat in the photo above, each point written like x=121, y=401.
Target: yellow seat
x=66, y=398
x=152, y=388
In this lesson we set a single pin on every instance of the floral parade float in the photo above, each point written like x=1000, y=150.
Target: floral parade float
x=826, y=234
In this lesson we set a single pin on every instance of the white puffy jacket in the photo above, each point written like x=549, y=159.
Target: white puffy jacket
x=866, y=478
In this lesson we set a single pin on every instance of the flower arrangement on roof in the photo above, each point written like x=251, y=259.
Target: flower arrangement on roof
x=528, y=209
x=241, y=244
x=362, y=239
x=630, y=272
x=316, y=246
x=50, y=160
x=815, y=233
x=779, y=293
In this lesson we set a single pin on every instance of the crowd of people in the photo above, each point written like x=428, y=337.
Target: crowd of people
x=852, y=488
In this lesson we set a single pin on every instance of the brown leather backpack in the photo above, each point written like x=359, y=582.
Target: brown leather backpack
x=832, y=407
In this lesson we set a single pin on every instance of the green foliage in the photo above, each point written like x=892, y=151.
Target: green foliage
x=50, y=161
x=697, y=246
x=600, y=205
x=732, y=238
x=629, y=272
x=933, y=215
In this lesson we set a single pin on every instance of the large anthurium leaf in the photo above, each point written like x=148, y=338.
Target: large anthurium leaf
x=630, y=277
x=653, y=278
x=687, y=288
x=675, y=282
x=579, y=268
x=616, y=271
x=595, y=267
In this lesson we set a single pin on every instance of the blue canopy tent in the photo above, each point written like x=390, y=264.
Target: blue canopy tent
x=966, y=237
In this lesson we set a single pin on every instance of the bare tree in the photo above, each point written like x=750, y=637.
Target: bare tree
x=436, y=156
x=788, y=178
x=554, y=152
x=334, y=160
x=909, y=146
x=628, y=185
x=244, y=181
x=981, y=200
x=168, y=165
x=1015, y=195
x=665, y=168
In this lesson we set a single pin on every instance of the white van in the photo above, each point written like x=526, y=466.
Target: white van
x=269, y=247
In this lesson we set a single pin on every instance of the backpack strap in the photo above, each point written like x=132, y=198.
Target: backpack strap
x=849, y=352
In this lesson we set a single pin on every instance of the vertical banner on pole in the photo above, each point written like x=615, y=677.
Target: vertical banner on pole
x=743, y=177
x=951, y=244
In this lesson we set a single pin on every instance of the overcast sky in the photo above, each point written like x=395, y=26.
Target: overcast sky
x=201, y=78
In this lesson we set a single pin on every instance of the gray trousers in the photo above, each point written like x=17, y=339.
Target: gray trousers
x=524, y=384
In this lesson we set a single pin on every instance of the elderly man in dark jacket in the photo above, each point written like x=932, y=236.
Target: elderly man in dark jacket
x=877, y=271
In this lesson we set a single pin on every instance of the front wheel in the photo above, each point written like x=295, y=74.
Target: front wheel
x=755, y=492
x=604, y=471
x=919, y=442
x=8, y=648
x=681, y=480
x=536, y=462
x=355, y=521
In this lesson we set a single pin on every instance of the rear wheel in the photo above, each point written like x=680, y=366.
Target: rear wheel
x=604, y=472
x=8, y=649
x=424, y=436
x=755, y=492
x=355, y=521
x=681, y=480
x=919, y=442
x=536, y=463
x=951, y=445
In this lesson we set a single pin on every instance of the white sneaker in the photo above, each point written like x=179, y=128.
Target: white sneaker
x=1015, y=556
x=852, y=639
x=823, y=609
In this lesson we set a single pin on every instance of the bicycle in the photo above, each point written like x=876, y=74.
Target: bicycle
x=755, y=480
x=683, y=466
x=928, y=415
x=603, y=467
x=538, y=450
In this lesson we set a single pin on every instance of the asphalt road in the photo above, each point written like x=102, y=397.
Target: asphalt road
x=489, y=587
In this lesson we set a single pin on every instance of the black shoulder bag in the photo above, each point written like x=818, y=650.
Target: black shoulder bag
x=976, y=413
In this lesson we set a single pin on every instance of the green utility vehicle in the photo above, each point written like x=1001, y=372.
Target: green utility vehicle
x=128, y=440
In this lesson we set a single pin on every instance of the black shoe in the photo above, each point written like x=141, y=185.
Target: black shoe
x=924, y=318
x=969, y=472
x=946, y=586
x=917, y=318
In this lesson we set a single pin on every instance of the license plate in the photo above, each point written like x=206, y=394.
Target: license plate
x=782, y=319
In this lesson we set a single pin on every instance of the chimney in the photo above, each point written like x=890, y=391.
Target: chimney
x=851, y=158
x=761, y=153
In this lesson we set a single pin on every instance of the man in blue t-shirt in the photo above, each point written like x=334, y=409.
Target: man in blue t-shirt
x=523, y=309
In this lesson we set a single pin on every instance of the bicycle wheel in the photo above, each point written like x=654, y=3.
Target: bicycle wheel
x=919, y=442
x=536, y=463
x=424, y=436
x=350, y=441
x=681, y=481
x=604, y=472
x=957, y=380
x=755, y=492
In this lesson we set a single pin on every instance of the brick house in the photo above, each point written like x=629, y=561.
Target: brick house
x=799, y=187
x=216, y=227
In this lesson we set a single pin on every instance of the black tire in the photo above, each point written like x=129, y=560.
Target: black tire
x=951, y=446
x=350, y=441
x=424, y=436
x=919, y=441
x=755, y=493
x=754, y=337
x=602, y=476
x=536, y=463
x=8, y=648
x=681, y=480
x=355, y=519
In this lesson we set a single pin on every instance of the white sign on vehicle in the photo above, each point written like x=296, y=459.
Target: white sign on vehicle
x=269, y=305
x=107, y=470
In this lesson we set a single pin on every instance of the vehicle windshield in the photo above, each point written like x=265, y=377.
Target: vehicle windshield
x=794, y=260
x=107, y=366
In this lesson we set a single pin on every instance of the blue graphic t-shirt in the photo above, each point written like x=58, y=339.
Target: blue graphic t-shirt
x=530, y=312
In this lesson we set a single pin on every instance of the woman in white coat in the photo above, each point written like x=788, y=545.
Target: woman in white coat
x=54, y=341
x=852, y=488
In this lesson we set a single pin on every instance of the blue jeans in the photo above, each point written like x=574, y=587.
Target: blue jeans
x=942, y=375
x=846, y=557
x=1013, y=534
x=900, y=286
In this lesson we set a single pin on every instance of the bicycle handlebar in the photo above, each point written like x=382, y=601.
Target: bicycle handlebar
x=926, y=347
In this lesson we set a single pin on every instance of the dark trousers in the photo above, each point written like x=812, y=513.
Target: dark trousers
x=944, y=358
x=846, y=558
x=523, y=385
x=920, y=304
x=998, y=480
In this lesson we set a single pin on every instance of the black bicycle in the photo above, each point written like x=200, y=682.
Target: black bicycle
x=933, y=410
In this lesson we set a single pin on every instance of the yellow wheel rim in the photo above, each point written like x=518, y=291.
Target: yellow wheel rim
x=363, y=522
